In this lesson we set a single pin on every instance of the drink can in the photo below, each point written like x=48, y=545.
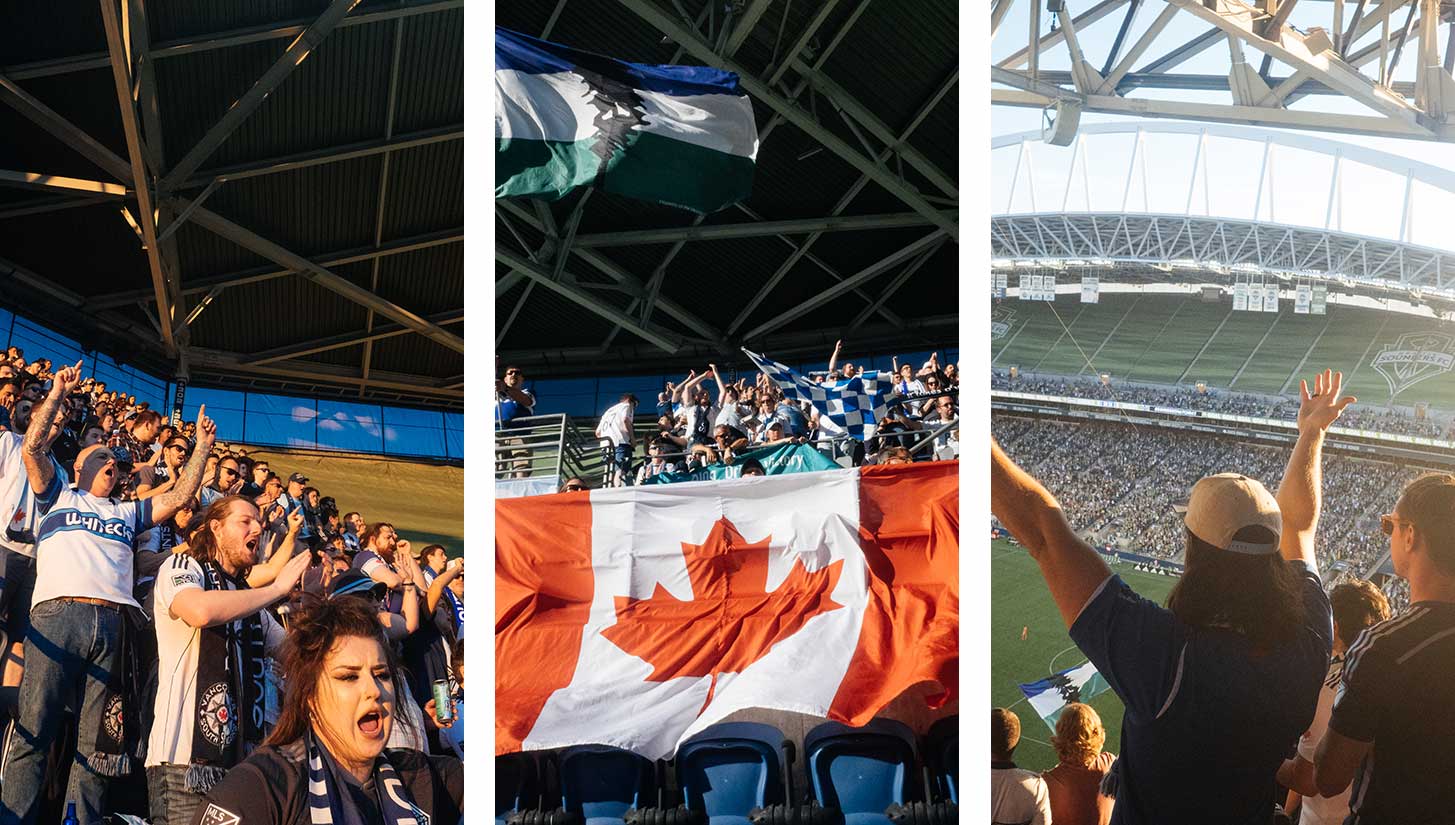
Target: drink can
x=444, y=710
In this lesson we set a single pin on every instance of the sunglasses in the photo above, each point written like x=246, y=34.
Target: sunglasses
x=1389, y=521
x=228, y=471
x=573, y=488
x=513, y=372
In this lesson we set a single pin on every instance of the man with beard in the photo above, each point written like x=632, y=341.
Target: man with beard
x=213, y=635
x=83, y=582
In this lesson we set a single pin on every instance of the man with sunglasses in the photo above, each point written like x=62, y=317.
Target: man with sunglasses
x=1391, y=730
x=512, y=401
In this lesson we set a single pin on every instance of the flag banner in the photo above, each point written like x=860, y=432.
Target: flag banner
x=1025, y=288
x=1051, y=695
x=1270, y=298
x=1240, y=297
x=1048, y=288
x=1301, y=299
x=784, y=458
x=856, y=405
x=679, y=135
x=1090, y=289
x=1320, y=301
x=1001, y=285
x=1255, y=297
x=637, y=616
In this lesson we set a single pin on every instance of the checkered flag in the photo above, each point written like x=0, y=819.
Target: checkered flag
x=856, y=405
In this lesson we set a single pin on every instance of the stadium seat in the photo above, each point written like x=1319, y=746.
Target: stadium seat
x=601, y=783
x=728, y=769
x=515, y=784
x=942, y=755
x=861, y=771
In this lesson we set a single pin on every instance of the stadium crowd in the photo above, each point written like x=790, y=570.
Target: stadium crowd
x=180, y=610
x=1227, y=402
x=706, y=419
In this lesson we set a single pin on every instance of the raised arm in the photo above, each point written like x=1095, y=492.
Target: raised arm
x=454, y=569
x=680, y=388
x=208, y=608
x=1300, y=497
x=38, y=436
x=1072, y=569
x=167, y=504
x=834, y=359
x=721, y=388
x=264, y=574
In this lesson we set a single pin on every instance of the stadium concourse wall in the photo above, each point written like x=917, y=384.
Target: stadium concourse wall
x=1179, y=339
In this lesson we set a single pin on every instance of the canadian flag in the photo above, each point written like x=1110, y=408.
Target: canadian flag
x=636, y=617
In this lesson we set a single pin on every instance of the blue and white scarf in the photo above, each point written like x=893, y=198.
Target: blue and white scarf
x=328, y=804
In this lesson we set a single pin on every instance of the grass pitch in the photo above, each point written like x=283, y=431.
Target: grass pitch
x=1020, y=599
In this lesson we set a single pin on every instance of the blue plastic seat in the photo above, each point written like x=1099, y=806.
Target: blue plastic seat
x=942, y=753
x=515, y=782
x=728, y=769
x=601, y=783
x=861, y=771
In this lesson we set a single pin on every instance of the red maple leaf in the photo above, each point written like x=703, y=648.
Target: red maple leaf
x=731, y=621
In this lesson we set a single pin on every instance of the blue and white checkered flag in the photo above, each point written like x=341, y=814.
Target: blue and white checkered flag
x=856, y=405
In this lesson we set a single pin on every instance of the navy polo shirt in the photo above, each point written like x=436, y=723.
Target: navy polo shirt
x=1207, y=721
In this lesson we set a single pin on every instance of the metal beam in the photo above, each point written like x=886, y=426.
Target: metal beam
x=860, y=277
x=197, y=286
x=257, y=244
x=62, y=129
x=648, y=11
x=1185, y=52
x=222, y=40
x=1138, y=49
x=42, y=205
x=583, y=298
x=330, y=154
x=346, y=340
x=745, y=25
x=758, y=229
x=1082, y=20
x=899, y=280
x=824, y=10
x=382, y=199
x=244, y=106
x=221, y=360
x=121, y=77
x=41, y=182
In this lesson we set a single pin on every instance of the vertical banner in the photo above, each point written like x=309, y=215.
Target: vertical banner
x=1240, y=297
x=1301, y=299
x=1255, y=297
x=1270, y=298
x=1090, y=289
x=1049, y=288
x=1000, y=285
x=1320, y=301
x=1025, y=281
x=177, y=398
x=1038, y=285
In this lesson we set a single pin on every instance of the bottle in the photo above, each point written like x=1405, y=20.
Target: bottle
x=71, y=815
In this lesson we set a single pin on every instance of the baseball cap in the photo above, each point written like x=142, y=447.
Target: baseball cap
x=1223, y=504
x=298, y=477
x=355, y=583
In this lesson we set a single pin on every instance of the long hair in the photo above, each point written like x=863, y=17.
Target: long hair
x=1079, y=735
x=1256, y=597
x=318, y=627
x=203, y=545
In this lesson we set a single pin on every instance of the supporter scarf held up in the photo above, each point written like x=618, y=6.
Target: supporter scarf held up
x=230, y=666
x=329, y=804
x=119, y=736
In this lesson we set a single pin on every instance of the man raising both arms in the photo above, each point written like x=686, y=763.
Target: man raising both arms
x=83, y=581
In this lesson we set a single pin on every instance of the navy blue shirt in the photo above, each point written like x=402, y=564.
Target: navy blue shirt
x=1207, y=721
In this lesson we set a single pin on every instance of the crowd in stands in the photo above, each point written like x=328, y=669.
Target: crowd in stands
x=1227, y=402
x=181, y=611
x=706, y=419
x=1122, y=485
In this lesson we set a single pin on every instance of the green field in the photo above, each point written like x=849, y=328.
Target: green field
x=1020, y=599
x=1178, y=339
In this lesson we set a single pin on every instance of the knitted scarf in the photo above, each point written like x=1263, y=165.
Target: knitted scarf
x=328, y=804
x=230, y=688
x=119, y=735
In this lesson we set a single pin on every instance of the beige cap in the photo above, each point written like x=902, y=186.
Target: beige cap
x=1223, y=504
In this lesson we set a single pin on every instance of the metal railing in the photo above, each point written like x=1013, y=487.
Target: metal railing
x=546, y=447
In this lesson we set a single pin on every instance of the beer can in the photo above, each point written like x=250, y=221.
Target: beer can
x=444, y=709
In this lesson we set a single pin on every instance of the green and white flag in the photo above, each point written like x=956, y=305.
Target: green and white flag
x=679, y=135
x=1051, y=695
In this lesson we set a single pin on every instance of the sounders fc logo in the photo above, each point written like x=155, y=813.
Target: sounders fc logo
x=1001, y=320
x=1413, y=357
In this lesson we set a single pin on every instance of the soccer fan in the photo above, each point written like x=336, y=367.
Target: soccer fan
x=1218, y=685
x=1017, y=796
x=1391, y=726
x=615, y=428
x=327, y=756
x=1074, y=785
x=656, y=463
x=353, y=526
x=213, y=634
x=83, y=582
x=1356, y=605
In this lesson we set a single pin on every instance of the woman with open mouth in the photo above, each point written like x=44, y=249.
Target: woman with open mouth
x=325, y=761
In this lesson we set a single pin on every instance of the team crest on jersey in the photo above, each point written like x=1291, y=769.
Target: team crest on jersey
x=218, y=716
x=1413, y=357
x=1001, y=319
x=218, y=816
x=113, y=718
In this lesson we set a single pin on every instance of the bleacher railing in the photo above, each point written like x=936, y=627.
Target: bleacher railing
x=546, y=447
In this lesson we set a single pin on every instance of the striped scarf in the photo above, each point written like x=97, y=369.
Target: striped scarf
x=328, y=804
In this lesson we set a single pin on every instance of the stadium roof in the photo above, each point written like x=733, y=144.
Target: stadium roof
x=851, y=228
x=271, y=193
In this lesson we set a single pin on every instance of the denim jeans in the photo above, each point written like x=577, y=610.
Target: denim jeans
x=171, y=803
x=70, y=652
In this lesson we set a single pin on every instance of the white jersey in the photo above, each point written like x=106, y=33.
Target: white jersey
x=17, y=499
x=84, y=544
x=1318, y=810
x=178, y=644
x=616, y=424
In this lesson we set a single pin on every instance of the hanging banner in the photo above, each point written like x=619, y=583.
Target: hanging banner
x=780, y=460
x=1038, y=287
x=1025, y=287
x=1000, y=285
x=1270, y=298
x=1301, y=299
x=1240, y=297
x=1049, y=287
x=1320, y=300
x=1090, y=289
x=177, y=398
x=1255, y=297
